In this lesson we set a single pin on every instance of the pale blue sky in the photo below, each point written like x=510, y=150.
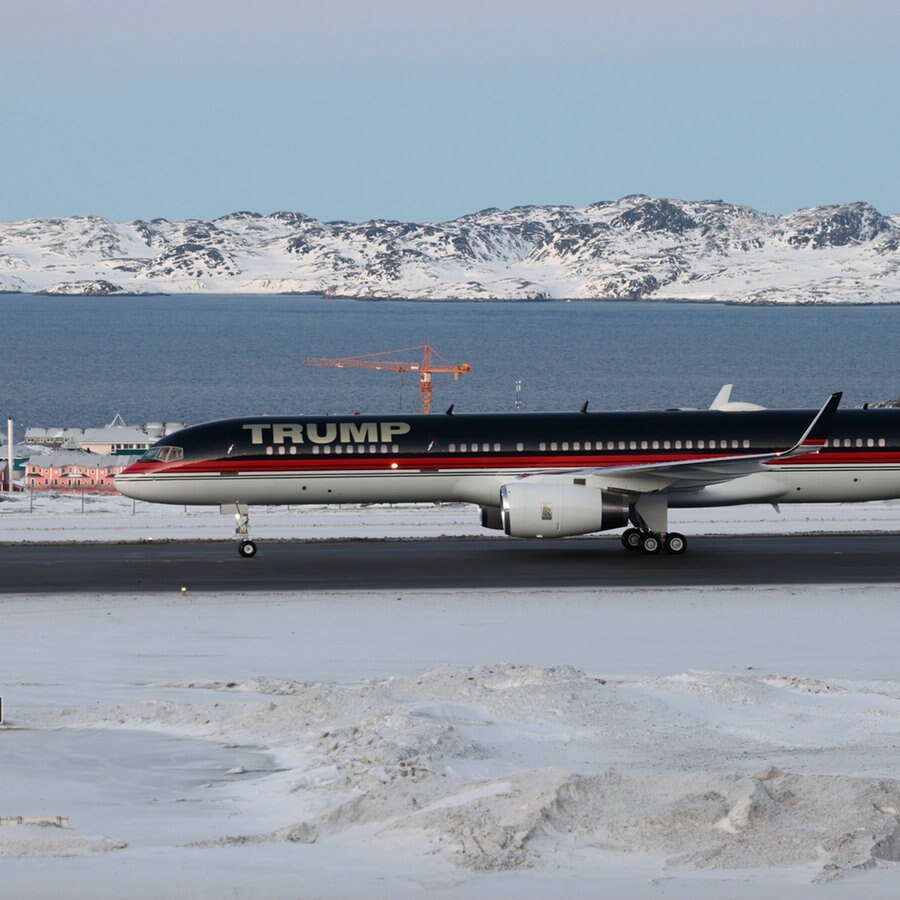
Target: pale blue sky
x=416, y=110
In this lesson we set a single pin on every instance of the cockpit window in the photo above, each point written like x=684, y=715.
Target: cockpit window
x=163, y=454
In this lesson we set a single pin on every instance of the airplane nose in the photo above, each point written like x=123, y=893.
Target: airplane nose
x=130, y=481
x=125, y=485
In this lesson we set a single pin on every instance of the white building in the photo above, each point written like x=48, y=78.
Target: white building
x=115, y=438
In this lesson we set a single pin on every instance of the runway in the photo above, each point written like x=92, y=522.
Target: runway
x=487, y=563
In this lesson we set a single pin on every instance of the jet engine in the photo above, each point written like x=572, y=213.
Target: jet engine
x=492, y=517
x=551, y=510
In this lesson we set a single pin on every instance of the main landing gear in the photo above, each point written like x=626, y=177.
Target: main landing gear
x=651, y=543
x=650, y=515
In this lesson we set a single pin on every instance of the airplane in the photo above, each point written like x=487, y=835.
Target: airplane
x=534, y=475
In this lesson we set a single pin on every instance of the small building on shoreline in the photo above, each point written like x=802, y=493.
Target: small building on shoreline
x=114, y=438
x=73, y=471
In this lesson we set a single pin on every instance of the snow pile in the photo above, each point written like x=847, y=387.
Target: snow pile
x=19, y=841
x=772, y=819
x=496, y=767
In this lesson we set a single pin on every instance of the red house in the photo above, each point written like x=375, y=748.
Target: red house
x=74, y=471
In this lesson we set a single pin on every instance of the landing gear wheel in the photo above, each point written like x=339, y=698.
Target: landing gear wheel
x=631, y=539
x=675, y=543
x=650, y=543
x=247, y=549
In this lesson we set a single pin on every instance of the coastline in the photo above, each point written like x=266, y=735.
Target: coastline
x=678, y=301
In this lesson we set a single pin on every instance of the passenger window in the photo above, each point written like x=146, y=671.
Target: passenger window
x=338, y=448
x=880, y=442
x=543, y=445
x=452, y=448
x=700, y=445
x=520, y=446
x=859, y=442
x=746, y=444
x=315, y=449
x=565, y=445
x=688, y=445
x=632, y=445
x=656, y=445
x=395, y=449
x=677, y=445
x=486, y=447
x=269, y=451
x=576, y=445
x=870, y=442
x=496, y=448
x=667, y=445
x=553, y=445
x=463, y=448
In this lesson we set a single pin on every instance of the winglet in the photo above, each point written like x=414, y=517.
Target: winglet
x=815, y=436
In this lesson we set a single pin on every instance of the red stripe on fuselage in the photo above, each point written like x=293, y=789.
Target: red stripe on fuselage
x=457, y=462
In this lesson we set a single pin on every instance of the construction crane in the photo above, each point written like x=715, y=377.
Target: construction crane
x=377, y=361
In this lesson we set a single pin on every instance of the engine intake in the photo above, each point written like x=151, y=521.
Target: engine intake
x=554, y=510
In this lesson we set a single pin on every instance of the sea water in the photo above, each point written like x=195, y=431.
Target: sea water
x=80, y=360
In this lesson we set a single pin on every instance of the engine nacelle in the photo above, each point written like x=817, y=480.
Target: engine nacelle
x=552, y=510
x=492, y=517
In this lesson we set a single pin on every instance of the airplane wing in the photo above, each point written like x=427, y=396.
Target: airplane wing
x=687, y=474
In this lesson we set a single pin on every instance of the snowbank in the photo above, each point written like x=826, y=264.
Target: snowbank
x=736, y=742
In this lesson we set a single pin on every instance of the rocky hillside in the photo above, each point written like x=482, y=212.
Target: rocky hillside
x=634, y=248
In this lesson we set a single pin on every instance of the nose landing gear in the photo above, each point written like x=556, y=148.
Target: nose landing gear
x=246, y=547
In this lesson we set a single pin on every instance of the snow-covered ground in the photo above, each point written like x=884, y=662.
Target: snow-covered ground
x=47, y=517
x=652, y=742
x=659, y=743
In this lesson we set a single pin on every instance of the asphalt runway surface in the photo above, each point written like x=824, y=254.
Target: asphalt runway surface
x=445, y=564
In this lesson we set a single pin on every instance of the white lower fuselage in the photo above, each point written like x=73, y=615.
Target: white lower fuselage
x=794, y=483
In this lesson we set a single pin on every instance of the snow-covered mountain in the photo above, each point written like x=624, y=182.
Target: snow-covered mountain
x=634, y=248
